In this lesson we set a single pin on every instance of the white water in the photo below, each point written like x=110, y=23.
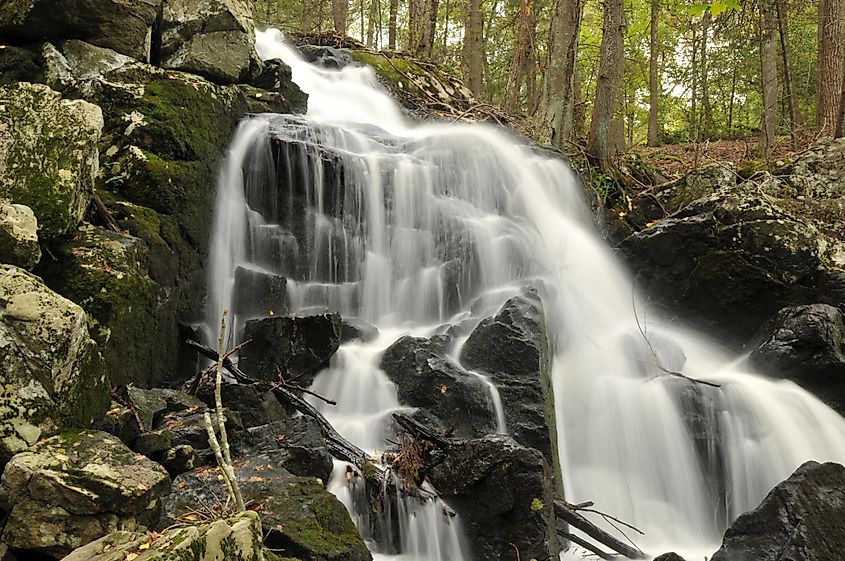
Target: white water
x=434, y=217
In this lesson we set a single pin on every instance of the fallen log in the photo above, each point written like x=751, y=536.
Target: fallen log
x=585, y=544
x=421, y=432
x=564, y=512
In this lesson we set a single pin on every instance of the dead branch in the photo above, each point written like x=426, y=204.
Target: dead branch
x=564, y=512
x=105, y=214
x=585, y=544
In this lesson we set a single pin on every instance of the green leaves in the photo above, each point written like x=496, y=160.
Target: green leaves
x=715, y=8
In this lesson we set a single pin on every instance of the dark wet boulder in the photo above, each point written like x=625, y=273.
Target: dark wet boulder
x=295, y=444
x=76, y=487
x=258, y=294
x=300, y=518
x=671, y=556
x=511, y=348
x=252, y=405
x=298, y=346
x=276, y=77
x=802, y=518
x=504, y=494
x=353, y=329
x=806, y=344
x=327, y=57
x=428, y=379
x=122, y=25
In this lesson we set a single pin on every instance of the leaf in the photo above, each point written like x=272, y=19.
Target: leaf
x=144, y=546
x=443, y=389
x=717, y=8
x=733, y=5
x=697, y=10
x=130, y=556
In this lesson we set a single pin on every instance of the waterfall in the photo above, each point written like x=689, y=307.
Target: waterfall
x=411, y=227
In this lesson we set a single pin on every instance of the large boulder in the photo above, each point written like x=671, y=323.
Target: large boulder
x=504, y=494
x=53, y=374
x=807, y=345
x=300, y=518
x=48, y=154
x=297, y=346
x=512, y=349
x=212, y=38
x=18, y=236
x=234, y=538
x=76, y=487
x=122, y=25
x=428, y=379
x=801, y=518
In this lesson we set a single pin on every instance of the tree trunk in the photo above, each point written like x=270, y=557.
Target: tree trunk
x=653, y=76
x=340, y=11
x=430, y=30
x=830, y=65
x=375, y=8
x=558, y=100
x=473, y=54
x=391, y=25
x=602, y=142
x=796, y=121
x=706, y=107
x=521, y=53
x=694, y=86
x=840, y=120
x=769, y=77
x=416, y=15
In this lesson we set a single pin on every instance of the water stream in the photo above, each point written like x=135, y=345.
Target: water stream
x=412, y=226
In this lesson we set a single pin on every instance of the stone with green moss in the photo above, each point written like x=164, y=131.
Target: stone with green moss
x=48, y=154
x=18, y=236
x=76, y=487
x=234, y=538
x=53, y=374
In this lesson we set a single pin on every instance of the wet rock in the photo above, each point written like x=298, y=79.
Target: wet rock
x=807, y=345
x=233, y=538
x=276, y=77
x=511, y=348
x=353, y=329
x=53, y=374
x=48, y=154
x=327, y=57
x=76, y=487
x=504, y=494
x=299, y=517
x=427, y=378
x=153, y=443
x=18, y=236
x=122, y=25
x=671, y=556
x=254, y=406
x=75, y=67
x=212, y=38
x=299, y=346
x=259, y=294
x=295, y=444
x=803, y=518
x=179, y=459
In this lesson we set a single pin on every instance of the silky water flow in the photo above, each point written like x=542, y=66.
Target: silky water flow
x=413, y=227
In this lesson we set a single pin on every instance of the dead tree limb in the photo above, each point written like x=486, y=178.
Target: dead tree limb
x=564, y=512
x=585, y=544
x=104, y=214
x=421, y=432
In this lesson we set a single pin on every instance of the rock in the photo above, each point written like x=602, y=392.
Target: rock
x=357, y=329
x=803, y=518
x=254, y=406
x=179, y=459
x=512, y=349
x=327, y=57
x=503, y=494
x=807, y=345
x=298, y=515
x=298, y=345
x=212, y=38
x=295, y=444
x=671, y=556
x=53, y=374
x=20, y=64
x=233, y=538
x=75, y=66
x=276, y=76
x=702, y=182
x=729, y=262
x=153, y=444
x=428, y=379
x=48, y=154
x=107, y=273
x=76, y=487
x=258, y=294
x=122, y=25
x=18, y=236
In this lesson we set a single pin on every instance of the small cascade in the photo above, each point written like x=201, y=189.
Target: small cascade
x=412, y=228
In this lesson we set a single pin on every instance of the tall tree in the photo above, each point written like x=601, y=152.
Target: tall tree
x=521, y=55
x=604, y=139
x=372, y=22
x=796, y=121
x=707, y=125
x=473, y=48
x=558, y=100
x=391, y=24
x=340, y=12
x=769, y=76
x=653, y=75
x=831, y=59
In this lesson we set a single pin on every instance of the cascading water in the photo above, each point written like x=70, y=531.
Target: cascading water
x=412, y=227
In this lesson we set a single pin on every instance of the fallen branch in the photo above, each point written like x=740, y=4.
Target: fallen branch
x=105, y=214
x=566, y=513
x=585, y=544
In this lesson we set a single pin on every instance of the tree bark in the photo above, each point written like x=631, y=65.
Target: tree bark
x=473, y=48
x=375, y=8
x=831, y=57
x=521, y=54
x=769, y=77
x=694, y=86
x=796, y=121
x=654, y=76
x=603, y=141
x=391, y=24
x=706, y=108
x=340, y=11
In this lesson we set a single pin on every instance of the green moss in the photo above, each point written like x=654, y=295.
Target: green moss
x=536, y=505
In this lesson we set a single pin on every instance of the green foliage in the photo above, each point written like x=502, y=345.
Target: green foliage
x=536, y=505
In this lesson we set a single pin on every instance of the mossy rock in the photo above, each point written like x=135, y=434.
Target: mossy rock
x=20, y=64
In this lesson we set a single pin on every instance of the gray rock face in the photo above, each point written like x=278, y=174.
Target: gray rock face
x=48, y=154
x=801, y=518
x=504, y=495
x=294, y=444
x=122, y=25
x=259, y=294
x=428, y=379
x=76, y=487
x=18, y=236
x=511, y=348
x=212, y=38
x=53, y=374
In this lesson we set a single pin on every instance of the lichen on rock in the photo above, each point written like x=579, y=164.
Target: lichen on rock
x=18, y=236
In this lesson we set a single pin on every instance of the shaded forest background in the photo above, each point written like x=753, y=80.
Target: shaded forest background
x=615, y=74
